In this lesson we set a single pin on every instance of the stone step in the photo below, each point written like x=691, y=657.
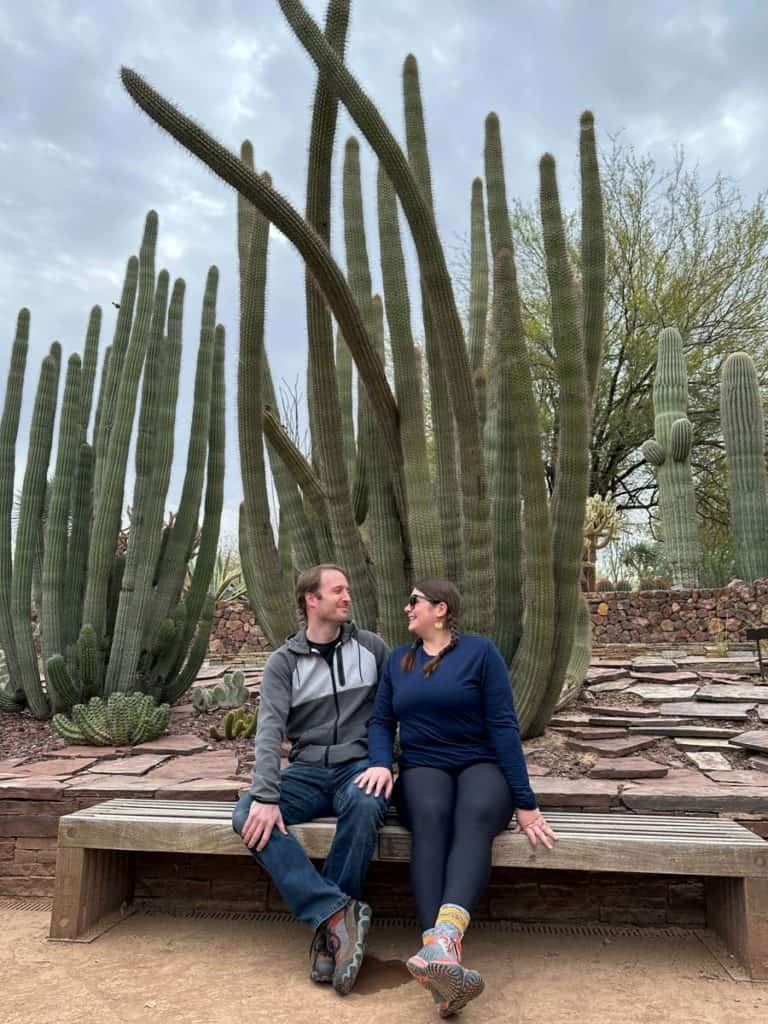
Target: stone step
x=612, y=748
x=612, y=686
x=633, y=724
x=709, y=760
x=734, y=777
x=756, y=739
x=581, y=732
x=703, y=743
x=743, y=664
x=627, y=768
x=671, y=678
x=732, y=692
x=653, y=692
x=704, y=732
x=702, y=709
x=651, y=664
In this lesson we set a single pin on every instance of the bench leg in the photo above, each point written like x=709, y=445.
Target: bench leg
x=90, y=885
x=737, y=909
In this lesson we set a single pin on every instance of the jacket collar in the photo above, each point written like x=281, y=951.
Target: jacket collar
x=298, y=643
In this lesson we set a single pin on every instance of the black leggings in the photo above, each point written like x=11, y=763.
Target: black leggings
x=454, y=817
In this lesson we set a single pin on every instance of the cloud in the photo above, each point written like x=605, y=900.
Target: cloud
x=81, y=165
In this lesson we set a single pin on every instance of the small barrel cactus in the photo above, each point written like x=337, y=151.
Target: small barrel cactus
x=125, y=718
x=235, y=725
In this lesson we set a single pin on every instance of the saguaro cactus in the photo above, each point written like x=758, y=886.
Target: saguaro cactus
x=669, y=452
x=741, y=414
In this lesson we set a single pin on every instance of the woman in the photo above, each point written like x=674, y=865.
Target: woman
x=462, y=776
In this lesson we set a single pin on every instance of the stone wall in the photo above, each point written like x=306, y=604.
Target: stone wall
x=235, y=632
x=679, y=616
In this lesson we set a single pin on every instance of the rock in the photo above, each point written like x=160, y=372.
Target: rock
x=697, y=797
x=591, y=794
x=757, y=739
x=137, y=765
x=604, y=675
x=702, y=743
x=627, y=768
x=700, y=709
x=613, y=686
x=710, y=732
x=651, y=692
x=708, y=760
x=626, y=712
x=760, y=764
x=593, y=733
x=665, y=677
x=612, y=748
x=630, y=723
x=651, y=664
x=735, y=777
x=171, y=745
x=733, y=691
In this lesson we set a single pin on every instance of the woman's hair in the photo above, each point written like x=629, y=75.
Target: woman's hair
x=436, y=590
x=309, y=583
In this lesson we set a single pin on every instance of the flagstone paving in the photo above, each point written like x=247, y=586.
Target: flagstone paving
x=627, y=768
x=757, y=740
x=670, y=678
x=709, y=760
x=702, y=709
x=137, y=765
x=652, y=691
x=732, y=691
x=734, y=777
x=611, y=748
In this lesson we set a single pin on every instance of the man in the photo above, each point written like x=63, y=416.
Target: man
x=318, y=691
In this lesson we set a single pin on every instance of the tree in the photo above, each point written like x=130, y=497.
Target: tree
x=681, y=252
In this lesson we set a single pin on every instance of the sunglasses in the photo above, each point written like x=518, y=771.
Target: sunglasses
x=414, y=599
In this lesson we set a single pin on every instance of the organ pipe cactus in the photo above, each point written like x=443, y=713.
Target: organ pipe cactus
x=669, y=452
x=112, y=623
x=741, y=413
x=523, y=562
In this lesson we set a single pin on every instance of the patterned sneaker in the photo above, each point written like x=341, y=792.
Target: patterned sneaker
x=323, y=964
x=437, y=967
x=471, y=987
x=346, y=933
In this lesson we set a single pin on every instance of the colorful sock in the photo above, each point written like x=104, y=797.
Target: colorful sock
x=452, y=920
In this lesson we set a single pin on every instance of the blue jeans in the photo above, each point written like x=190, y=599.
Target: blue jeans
x=310, y=791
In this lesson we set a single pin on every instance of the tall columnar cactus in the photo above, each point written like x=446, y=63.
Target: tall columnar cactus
x=112, y=623
x=534, y=568
x=741, y=413
x=669, y=452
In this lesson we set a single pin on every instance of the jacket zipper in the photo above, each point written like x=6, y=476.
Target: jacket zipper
x=336, y=703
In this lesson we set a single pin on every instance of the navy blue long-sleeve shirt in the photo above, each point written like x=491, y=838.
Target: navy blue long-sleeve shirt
x=459, y=715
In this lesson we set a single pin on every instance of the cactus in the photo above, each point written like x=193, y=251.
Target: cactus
x=741, y=413
x=126, y=718
x=669, y=453
x=235, y=725
x=112, y=620
x=532, y=585
x=231, y=692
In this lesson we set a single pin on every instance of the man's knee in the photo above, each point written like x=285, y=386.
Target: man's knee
x=240, y=813
x=365, y=806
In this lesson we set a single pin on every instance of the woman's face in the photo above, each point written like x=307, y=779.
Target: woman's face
x=423, y=612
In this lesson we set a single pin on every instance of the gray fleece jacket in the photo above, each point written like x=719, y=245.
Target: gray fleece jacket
x=323, y=712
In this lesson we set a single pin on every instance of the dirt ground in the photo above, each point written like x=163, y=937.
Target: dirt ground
x=192, y=971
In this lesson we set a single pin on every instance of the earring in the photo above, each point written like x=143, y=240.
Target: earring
x=439, y=624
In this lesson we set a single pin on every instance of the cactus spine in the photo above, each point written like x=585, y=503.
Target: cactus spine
x=669, y=452
x=741, y=413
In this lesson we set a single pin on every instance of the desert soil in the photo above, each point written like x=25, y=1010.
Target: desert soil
x=205, y=971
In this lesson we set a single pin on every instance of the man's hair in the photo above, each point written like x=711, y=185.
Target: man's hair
x=309, y=583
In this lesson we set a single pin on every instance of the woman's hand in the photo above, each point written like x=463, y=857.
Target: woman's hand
x=534, y=825
x=376, y=781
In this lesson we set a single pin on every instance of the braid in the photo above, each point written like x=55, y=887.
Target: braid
x=431, y=665
x=409, y=658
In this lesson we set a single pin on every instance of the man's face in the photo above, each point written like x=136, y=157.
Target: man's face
x=332, y=601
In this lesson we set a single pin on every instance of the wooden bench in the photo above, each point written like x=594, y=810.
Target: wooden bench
x=95, y=865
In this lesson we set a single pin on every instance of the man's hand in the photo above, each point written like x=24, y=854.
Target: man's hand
x=534, y=826
x=262, y=818
x=376, y=781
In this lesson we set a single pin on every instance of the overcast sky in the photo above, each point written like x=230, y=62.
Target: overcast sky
x=81, y=164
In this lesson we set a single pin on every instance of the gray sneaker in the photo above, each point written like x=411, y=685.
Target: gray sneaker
x=346, y=932
x=323, y=964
